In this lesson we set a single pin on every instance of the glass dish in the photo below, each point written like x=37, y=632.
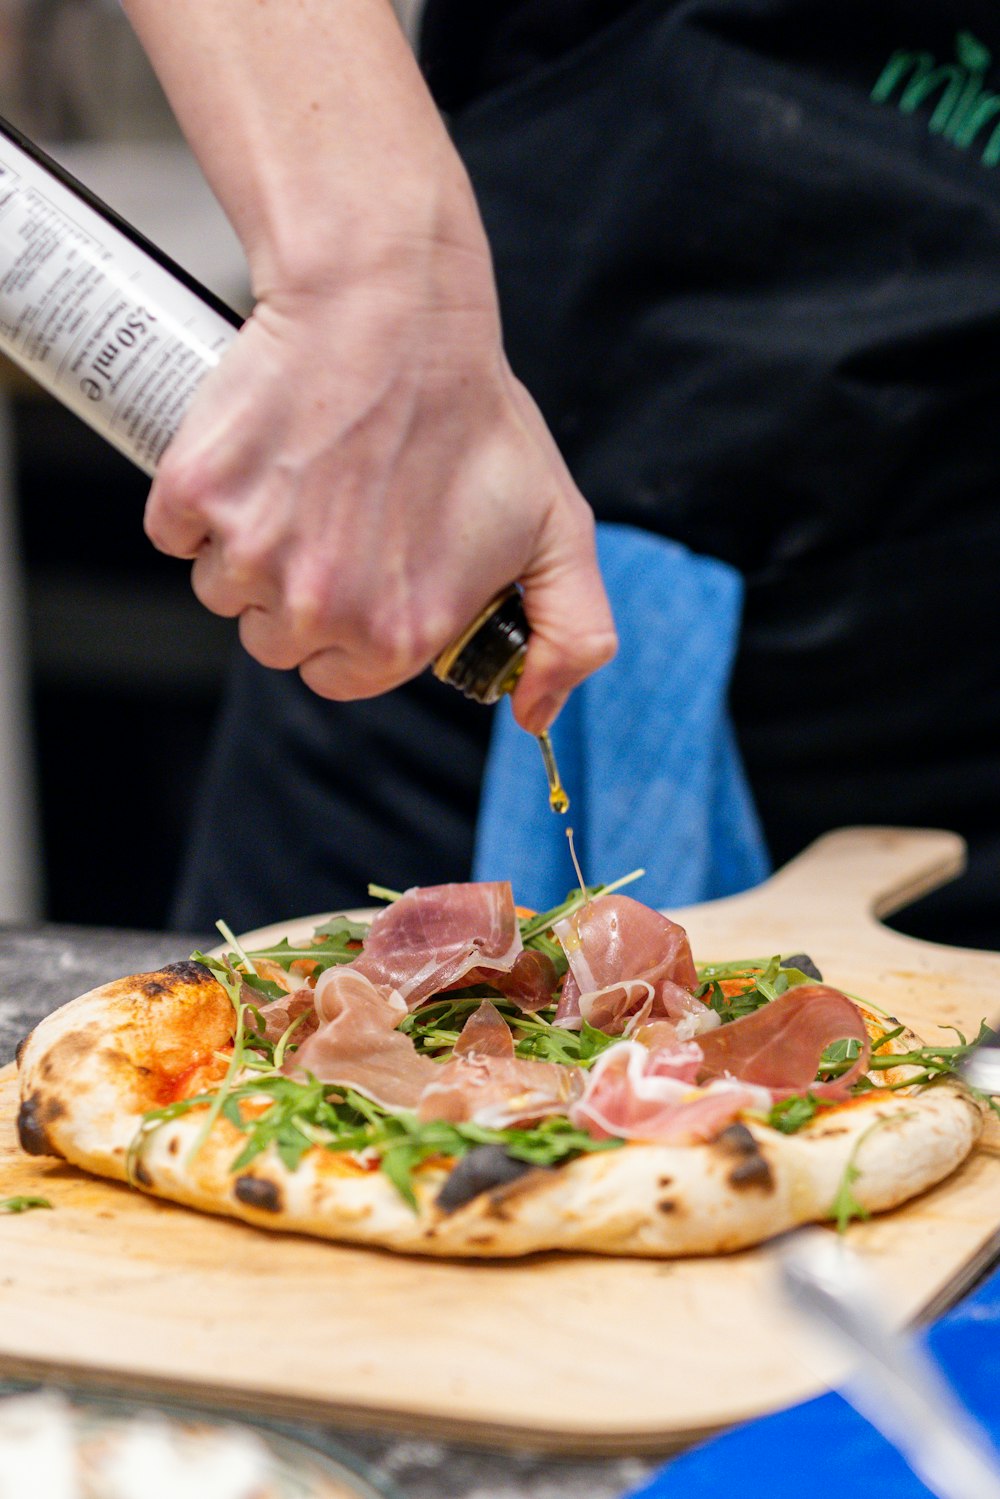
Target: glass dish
x=81, y=1447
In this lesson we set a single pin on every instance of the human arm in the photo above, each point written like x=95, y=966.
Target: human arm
x=363, y=471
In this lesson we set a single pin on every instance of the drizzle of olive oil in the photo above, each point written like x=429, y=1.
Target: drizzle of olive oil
x=558, y=800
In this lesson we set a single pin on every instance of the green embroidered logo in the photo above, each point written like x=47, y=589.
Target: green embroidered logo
x=962, y=107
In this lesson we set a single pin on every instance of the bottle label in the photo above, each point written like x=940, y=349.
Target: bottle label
x=94, y=317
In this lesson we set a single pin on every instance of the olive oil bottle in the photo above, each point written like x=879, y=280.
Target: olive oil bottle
x=95, y=312
x=123, y=336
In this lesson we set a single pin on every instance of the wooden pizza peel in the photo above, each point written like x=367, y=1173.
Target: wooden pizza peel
x=565, y=1353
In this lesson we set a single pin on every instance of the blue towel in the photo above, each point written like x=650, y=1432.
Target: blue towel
x=824, y=1447
x=645, y=748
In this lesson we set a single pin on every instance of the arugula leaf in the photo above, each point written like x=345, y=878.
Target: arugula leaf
x=22, y=1204
x=763, y=979
x=342, y=929
x=298, y=1115
x=544, y=1042
x=838, y=1057
x=845, y=1205
x=936, y=1062
x=792, y=1114
x=553, y=1141
x=326, y=953
x=267, y=987
x=382, y=892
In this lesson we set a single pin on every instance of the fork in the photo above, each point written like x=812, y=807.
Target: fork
x=894, y=1383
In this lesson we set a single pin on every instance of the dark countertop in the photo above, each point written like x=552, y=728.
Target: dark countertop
x=41, y=968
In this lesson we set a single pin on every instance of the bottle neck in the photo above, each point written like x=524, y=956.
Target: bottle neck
x=486, y=660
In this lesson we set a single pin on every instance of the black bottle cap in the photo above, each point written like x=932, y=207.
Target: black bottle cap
x=486, y=660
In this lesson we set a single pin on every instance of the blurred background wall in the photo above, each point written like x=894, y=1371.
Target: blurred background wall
x=110, y=701
x=110, y=672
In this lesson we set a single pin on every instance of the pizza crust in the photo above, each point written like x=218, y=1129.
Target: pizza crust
x=93, y=1068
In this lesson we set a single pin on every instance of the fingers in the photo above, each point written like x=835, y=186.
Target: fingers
x=356, y=535
x=573, y=632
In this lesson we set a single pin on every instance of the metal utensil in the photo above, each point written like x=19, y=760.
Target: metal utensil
x=981, y=1067
x=894, y=1383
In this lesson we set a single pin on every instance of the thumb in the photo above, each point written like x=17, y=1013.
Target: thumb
x=572, y=629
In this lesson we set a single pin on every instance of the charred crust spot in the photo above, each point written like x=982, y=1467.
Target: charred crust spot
x=737, y=1139
x=141, y=1175
x=189, y=972
x=754, y=1171
x=751, y=1169
x=666, y=1205
x=70, y=1049
x=166, y=980
x=498, y=1202
x=173, y=1145
x=483, y=1168
x=19, y=1053
x=663, y=1182
x=31, y=1121
x=258, y=1192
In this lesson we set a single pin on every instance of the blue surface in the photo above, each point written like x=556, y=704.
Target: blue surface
x=824, y=1446
x=645, y=748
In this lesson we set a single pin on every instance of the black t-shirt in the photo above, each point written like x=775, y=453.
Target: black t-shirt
x=748, y=254
x=468, y=47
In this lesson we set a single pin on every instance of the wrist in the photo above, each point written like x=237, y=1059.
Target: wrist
x=327, y=236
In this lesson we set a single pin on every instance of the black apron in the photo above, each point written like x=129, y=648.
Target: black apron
x=760, y=310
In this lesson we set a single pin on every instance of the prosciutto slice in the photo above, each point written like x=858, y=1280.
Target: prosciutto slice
x=780, y=1045
x=627, y=964
x=357, y=1044
x=436, y=937
x=484, y=1081
x=530, y=983
x=636, y=1094
x=278, y=1014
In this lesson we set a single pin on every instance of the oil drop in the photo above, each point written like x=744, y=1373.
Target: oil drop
x=558, y=799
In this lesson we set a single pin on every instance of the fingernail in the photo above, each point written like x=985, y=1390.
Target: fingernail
x=544, y=713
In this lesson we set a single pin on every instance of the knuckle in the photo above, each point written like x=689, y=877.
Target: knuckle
x=177, y=506
x=266, y=645
x=326, y=675
x=309, y=606
x=183, y=481
x=400, y=641
x=245, y=556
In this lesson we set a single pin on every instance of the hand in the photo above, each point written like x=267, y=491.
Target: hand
x=362, y=473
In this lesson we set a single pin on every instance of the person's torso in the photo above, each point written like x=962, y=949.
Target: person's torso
x=748, y=254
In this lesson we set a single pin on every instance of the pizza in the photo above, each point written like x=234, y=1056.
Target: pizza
x=456, y=1077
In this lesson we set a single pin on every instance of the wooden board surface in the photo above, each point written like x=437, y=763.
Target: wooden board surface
x=573, y=1353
